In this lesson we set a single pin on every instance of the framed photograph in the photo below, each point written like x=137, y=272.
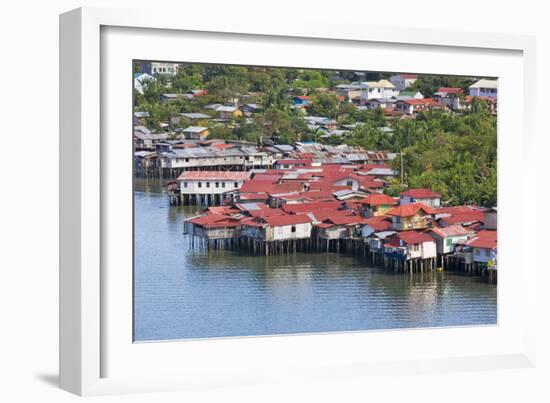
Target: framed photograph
x=245, y=204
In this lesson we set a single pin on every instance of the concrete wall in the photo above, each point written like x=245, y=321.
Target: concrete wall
x=208, y=186
x=284, y=232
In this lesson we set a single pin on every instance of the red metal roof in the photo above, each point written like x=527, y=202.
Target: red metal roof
x=254, y=196
x=413, y=237
x=454, y=209
x=450, y=90
x=280, y=220
x=378, y=199
x=222, y=210
x=451, y=230
x=464, y=218
x=223, y=146
x=292, y=162
x=409, y=210
x=378, y=223
x=421, y=193
x=318, y=194
x=266, y=212
x=324, y=214
x=308, y=207
x=215, y=221
x=262, y=186
x=484, y=239
x=214, y=175
x=414, y=101
x=346, y=220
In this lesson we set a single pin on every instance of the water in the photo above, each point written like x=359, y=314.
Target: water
x=182, y=293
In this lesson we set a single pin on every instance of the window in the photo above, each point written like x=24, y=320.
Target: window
x=217, y=184
x=223, y=184
x=200, y=184
x=477, y=252
x=293, y=228
x=398, y=220
x=236, y=184
x=449, y=241
x=415, y=247
x=187, y=160
x=207, y=184
x=184, y=184
x=349, y=183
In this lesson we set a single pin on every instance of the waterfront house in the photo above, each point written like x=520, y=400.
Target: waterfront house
x=408, y=245
x=375, y=224
x=484, y=247
x=472, y=219
x=209, y=187
x=376, y=204
x=144, y=139
x=410, y=216
x=235, y=158
x=421, y=195
x=403, y=81
x=213, y=226
x=447, y=237
x=145, y=162
x=340, y=227
x=449, y=96
x=377, y=239
x=196, y=132
x=226, y=112
x=278, y=227
x=484, y=88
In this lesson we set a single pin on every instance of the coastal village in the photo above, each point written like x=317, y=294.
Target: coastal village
x=320, y=190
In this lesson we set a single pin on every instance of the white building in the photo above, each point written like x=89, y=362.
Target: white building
x=209, y=187
x=168, y=69
x=425, y=196
x=402, y=81
x=377, y=89
x=446, y=237
x=484, y=88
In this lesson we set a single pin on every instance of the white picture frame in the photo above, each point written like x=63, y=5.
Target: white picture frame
x=96, y=355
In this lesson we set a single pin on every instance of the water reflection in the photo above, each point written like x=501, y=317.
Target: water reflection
x=181, y=293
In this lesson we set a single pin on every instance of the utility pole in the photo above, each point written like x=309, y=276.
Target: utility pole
x=402, y=153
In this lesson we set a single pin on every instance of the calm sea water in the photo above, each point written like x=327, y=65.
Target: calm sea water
x=182, y=293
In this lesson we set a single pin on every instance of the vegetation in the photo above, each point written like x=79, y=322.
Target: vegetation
x=452, y=153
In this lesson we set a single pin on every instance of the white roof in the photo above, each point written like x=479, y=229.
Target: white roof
x=377, y=84
x=224, y=108
x=195, y=129
x=484, y=83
